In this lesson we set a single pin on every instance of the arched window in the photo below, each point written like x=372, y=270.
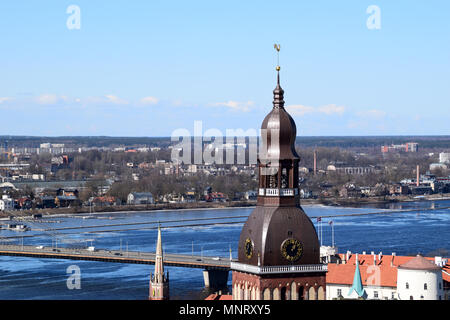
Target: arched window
x=294, y=294
x=425, y=287
x=321, y=293
x=276, y=294
x=407, y=285
x=300, y=293
x=273, y=183
x=284, y=178
x=283, y=293
x=312, y=294
x=266, y=294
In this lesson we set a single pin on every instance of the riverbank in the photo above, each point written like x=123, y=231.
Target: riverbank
x=348, y=202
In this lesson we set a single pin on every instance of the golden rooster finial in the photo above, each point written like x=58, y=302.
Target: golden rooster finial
x=277, y=47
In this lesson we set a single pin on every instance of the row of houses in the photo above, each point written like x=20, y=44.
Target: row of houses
x=41, y=202
x=427, y=185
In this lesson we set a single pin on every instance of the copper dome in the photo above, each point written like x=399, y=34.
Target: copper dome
x=279, y=130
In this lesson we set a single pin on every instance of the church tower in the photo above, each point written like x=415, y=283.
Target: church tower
x=159, y=283
x=278, y=250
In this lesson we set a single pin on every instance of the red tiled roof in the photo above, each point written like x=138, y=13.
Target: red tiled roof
x=388, y=265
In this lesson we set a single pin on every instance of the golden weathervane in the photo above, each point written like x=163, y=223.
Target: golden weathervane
x=277, y=47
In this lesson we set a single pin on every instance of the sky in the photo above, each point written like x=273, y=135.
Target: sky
x=148, y=68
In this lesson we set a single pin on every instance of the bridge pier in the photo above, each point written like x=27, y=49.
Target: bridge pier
x=216, y=279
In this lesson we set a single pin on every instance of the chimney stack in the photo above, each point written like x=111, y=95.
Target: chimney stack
x=315, y=162
x=418, y=176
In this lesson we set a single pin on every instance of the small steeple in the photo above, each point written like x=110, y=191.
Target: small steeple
x=357, y=282
x=159, y=282
x=159, y=265
x=278, y=93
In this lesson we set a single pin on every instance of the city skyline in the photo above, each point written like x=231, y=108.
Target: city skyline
x=147, y=69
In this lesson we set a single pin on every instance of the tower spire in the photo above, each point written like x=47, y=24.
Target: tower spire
x=159, y=282
x=278, y=93
x=357, y=285
x=159, y=263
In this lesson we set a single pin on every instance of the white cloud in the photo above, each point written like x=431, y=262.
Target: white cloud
x=235, y=105
x=301, y=110
x=149, y=100
x=331, y=109
x=47, y=99
x=115, y=99
x=3, y=99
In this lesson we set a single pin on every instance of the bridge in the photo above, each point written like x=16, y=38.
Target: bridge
x=215, y=269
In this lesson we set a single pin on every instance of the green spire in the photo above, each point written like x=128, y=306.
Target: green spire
x=357, y=282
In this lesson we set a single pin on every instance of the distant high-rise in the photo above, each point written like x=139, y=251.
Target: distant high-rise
x=407, y=147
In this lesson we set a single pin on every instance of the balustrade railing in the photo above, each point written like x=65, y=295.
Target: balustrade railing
x=279, y=269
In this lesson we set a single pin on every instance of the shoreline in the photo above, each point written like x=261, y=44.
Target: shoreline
x=350, y=202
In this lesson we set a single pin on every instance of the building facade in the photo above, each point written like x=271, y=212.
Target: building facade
x=6, y=203
x=140, y=198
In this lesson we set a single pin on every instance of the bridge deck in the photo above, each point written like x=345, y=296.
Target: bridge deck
x=137, y=257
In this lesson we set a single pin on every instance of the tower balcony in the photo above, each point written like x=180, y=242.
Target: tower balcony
x=278, y=192
x=305, y=268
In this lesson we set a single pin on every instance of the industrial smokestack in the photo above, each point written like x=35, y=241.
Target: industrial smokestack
x=315, y=162
x=418, y=175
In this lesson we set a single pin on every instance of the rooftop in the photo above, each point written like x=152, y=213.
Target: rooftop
x=419, y=263
x=343, y=273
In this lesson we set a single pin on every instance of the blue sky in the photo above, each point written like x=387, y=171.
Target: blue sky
x=146, y=68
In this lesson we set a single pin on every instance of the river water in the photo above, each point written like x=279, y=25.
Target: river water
x=404, y=233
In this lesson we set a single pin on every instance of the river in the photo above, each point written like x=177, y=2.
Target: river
x=422, y=231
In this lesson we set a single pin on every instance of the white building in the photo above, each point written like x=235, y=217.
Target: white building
x=140, y=198
x=386, y=277
x=434, y=166
x=444, y=157
x=419, y=279
x=6, y=203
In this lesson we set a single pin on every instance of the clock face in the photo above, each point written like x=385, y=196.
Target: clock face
x=291, y=249
x=248, y=248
